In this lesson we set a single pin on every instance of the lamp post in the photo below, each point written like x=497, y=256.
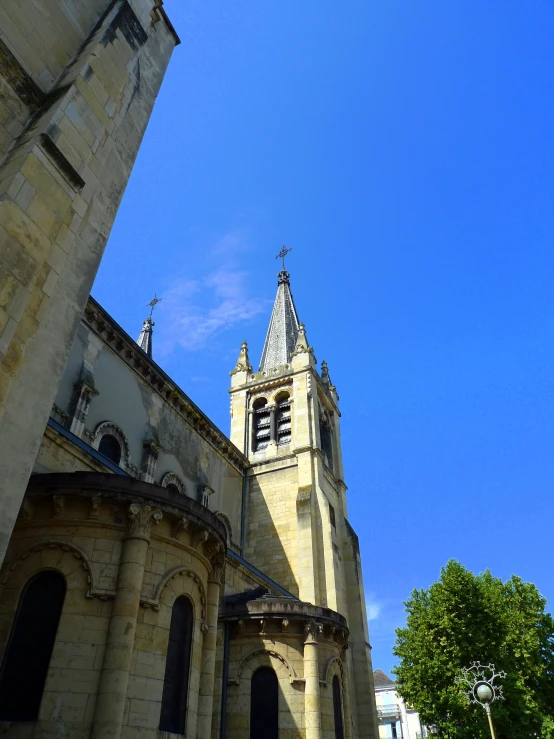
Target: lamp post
x=478, y=683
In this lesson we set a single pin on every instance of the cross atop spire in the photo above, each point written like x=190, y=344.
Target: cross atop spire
x=282, y=254
x=155, y=300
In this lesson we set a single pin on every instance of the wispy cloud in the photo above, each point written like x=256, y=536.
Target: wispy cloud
x=198, y=307
x=373, y=609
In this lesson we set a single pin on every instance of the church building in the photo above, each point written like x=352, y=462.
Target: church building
x=158, y=579
x=163, y=580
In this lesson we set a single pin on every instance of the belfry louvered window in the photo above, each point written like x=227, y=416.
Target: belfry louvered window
x=283, y=420
x=262, y=425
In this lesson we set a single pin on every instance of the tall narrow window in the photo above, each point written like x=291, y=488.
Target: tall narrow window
x=25, y=665
x=325, y=435
x=109, y=446
x=262, y=425
x=283, y=420
x=264, y=704
x=337, y=709
x=177, y=668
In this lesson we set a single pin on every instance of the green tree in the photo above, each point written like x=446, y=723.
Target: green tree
x=465, y=618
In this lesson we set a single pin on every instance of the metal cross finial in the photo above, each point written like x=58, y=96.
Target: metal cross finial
x=155, y=300
x=282, y=254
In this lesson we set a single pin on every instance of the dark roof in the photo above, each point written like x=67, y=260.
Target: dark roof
x=381, y=680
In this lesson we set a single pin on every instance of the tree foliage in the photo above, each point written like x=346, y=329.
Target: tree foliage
x=465, y=618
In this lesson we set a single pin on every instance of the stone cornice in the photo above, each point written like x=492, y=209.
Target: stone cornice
x=149, y=372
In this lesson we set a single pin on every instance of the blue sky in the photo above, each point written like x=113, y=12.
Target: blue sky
x=404, y=150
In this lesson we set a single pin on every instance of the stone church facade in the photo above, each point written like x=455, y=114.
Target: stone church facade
x=165, y=580
x=160, y=579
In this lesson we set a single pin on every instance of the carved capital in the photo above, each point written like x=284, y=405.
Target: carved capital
x=140, y=520
x=59, y=506
x=312, y=632
x=304, y=495
x=180, y=524
x=199, y=539
x=95, y=503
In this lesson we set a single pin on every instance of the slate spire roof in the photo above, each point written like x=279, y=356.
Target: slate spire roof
x=381, y=679
x=145, y=338
x=283, y=327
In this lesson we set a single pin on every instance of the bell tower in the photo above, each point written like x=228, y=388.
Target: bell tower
x=285, y=419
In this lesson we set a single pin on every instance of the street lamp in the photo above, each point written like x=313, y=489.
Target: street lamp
x=434, y=729
x=478, y=682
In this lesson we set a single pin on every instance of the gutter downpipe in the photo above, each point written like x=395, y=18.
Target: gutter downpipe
x=226, y=640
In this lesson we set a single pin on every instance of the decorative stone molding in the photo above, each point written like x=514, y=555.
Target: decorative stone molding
x=154, y=603
x=83, y=392
x=59, y=506
x=108, y=427
x=180, y=524
x=204, y=491
x=140, y=520
x=95, y=504
x=170, y=478
x=150, y=452
x=268, y=654
x=302, y=346
x=199, y=539
x=92, y=592
x=304, y=495
x=228, y=528
x=326, y=670
x=243, y=362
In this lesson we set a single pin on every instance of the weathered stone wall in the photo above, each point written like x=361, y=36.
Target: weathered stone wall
x=78, y=81
x=87, y=539
x=143, y=415
x=290, y=531
x=271, y=539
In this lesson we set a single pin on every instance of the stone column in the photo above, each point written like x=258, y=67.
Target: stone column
x=312, y=706
x=272, y=422
x=112, y=688
x=207, y=676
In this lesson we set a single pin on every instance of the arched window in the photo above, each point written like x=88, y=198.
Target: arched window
x=177, y=668
x=337, y=709
x=264, y=704
x=25, y=666
x=262, y=425
x=283, y=419
x=110, y=447
x=173, y=482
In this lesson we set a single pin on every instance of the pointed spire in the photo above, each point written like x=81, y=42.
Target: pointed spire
x=243, y=363
x=145, y=338
x=302, y=346
x=283, y=327
x=325, y=379
x=327, y=382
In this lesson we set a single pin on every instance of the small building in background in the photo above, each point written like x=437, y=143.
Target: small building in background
x=396, y=720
